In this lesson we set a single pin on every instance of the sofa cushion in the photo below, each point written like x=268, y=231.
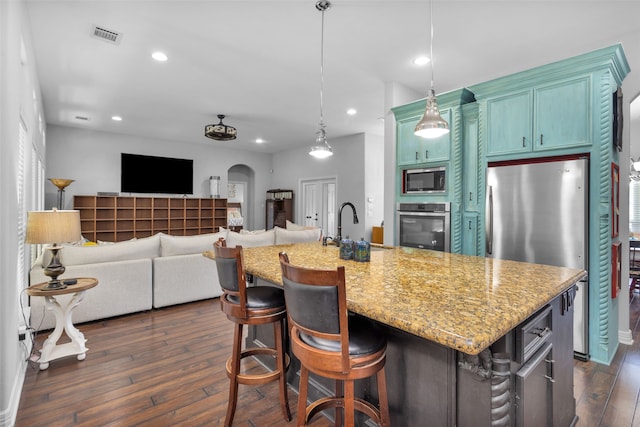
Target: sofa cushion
x=251, y=240
x=284, y=236
x=184, y=245
x=148, y=247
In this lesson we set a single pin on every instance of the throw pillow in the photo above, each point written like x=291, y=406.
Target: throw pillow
x=266, y=238
x=296, y=236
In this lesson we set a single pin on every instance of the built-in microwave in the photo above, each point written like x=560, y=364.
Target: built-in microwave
x=425, y=180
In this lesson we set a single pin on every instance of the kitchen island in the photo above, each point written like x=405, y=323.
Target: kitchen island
x=451, y=321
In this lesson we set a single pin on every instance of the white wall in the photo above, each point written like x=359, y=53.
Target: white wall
x=373, y=210
x=92, y=159
x=395, y=94
x=346, y=164
x=19, y=103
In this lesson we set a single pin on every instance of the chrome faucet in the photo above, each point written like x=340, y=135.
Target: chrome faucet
x=355, y=220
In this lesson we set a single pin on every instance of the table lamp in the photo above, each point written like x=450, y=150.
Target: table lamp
x=53, y=227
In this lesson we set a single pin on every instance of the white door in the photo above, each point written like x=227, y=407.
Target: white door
x=319, y=204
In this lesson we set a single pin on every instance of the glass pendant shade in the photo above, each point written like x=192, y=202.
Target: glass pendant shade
x=432, y=125
x=322, y=149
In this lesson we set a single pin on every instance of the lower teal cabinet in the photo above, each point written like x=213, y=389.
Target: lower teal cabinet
x=470, y=234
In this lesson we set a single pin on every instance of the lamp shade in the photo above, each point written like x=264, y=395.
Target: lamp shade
x=432, y=125
x=54, y=226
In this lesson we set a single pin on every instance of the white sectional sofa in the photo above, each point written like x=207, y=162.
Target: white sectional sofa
x=146, y=273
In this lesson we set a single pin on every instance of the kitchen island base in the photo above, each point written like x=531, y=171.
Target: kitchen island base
x=523, y=379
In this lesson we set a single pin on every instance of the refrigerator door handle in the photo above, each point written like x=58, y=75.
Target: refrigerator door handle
x=490, y=223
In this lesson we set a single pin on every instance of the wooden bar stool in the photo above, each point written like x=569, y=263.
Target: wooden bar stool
x=330, y=344
x=256, y=305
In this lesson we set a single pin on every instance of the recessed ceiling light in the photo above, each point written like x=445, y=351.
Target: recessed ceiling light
x=421, y=60
x=259, y=140
x=159, y=56
x=116, y=118
x=351, y=111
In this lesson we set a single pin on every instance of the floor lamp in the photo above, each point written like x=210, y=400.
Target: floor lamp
x=61, y=183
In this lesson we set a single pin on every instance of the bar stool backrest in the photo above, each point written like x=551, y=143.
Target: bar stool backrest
x=317, y=305
x=231, y=275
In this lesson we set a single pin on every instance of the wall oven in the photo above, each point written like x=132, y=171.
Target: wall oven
x=424, y=225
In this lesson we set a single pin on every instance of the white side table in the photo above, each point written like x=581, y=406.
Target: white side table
x=50, y=349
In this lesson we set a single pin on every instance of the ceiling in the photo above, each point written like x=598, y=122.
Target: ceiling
x=258, y=62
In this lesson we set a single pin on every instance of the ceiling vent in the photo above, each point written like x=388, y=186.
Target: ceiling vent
x=106, y=35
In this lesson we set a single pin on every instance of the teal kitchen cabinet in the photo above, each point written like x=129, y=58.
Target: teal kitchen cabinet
x=509, y=123
x=470, y=236
x=562, y=115
x=546, y=117
x=414, y=149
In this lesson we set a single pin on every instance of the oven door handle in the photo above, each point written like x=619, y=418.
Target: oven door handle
x=490, y=223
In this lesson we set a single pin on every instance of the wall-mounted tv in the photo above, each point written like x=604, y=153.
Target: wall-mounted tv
x=151, y=174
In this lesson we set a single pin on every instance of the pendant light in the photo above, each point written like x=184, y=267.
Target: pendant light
x=322, y=149
x=432, y=125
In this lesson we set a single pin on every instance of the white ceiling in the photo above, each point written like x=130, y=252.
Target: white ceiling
x=258, y=62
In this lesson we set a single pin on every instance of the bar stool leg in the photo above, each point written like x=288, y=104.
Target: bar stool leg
x=339, y=394
x=233, y=376
x=284, y=399
x=302, y=396
x=349, y=407
x=381, y=380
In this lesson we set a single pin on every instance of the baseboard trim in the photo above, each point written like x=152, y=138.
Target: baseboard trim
x=625, y=337
x=9, y=414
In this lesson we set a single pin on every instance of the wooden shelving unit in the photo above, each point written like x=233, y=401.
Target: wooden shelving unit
x=118, y=218
x=279, y=208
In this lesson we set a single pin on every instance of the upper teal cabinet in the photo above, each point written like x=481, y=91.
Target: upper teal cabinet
x=412, y=149
x=545, y=117
x=509, y=123
x=562, y=115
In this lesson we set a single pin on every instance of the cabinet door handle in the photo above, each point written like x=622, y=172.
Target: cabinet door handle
x=524, y=143
x=541, y=136
x=417, y=155
x=469, y=225
x=551, y=380
x=426, y=154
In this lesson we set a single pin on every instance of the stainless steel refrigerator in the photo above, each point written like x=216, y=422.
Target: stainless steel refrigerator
x=539, y=213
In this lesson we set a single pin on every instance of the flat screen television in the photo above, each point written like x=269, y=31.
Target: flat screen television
x=151, y=174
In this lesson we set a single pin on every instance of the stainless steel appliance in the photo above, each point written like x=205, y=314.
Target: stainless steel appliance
x=424, y=225
x=429, y=180
x=539, y=213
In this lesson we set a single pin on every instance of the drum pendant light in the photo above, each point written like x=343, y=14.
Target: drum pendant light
x=322, y=149
x=432, y=125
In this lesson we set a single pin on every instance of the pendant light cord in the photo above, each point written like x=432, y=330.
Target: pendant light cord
x=321, y=69
x=431, y=40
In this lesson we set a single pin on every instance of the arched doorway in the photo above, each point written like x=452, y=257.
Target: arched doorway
x=240, y=189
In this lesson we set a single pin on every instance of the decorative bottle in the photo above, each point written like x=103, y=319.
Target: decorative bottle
x=346, y=248
x=362, y=252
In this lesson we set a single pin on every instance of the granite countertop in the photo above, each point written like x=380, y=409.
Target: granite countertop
x=462, y=302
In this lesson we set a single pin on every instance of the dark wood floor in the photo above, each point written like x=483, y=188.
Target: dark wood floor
x=166, y=368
